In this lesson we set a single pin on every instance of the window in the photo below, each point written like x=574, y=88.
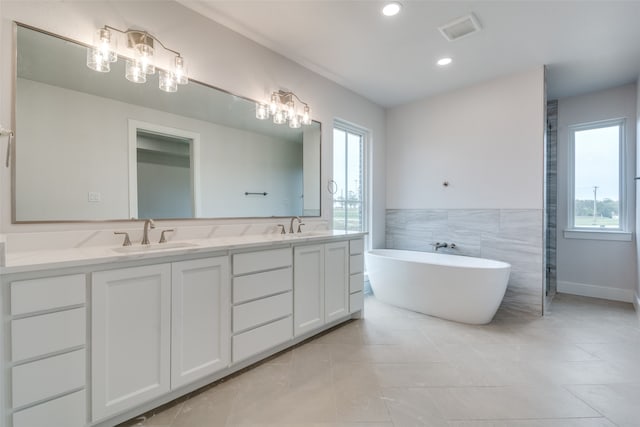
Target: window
x=596, y=184
x=348, y=178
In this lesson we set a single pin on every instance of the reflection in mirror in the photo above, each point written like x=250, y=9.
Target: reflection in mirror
x=94, y=146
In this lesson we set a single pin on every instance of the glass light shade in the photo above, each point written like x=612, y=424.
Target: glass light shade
x=262, y=111
x=306, y=115
x=97, y=61
x=280, y=117
x=294, y=122
x=291, y=110
x=180, y=71
x=146, y=65
x=103, y=42
x=167, y=81
x=134, y=71
x=273, y=106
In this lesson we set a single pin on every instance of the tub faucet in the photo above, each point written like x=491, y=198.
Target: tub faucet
x=148, y=223
x=439, y=245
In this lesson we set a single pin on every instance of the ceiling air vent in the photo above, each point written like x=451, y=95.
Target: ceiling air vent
x=460, y=27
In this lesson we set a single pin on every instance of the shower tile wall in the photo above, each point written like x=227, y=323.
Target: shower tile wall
x=551, y=194
x=510, y=235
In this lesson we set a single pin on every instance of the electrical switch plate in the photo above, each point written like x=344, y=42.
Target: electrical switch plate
x=94, y=196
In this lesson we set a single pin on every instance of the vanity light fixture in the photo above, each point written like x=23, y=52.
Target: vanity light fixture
x=104, y=52
x=282, y=108
x=391, y=9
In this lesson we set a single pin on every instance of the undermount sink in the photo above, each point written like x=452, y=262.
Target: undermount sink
x=154, y=247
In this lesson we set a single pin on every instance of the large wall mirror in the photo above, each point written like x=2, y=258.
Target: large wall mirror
x=94, y=146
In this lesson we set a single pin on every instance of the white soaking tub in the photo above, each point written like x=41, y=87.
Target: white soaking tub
x=459, y=288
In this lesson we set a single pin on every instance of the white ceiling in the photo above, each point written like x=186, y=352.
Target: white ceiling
x=587, y=45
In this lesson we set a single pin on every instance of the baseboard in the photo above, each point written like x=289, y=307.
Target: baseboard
x=594, y=291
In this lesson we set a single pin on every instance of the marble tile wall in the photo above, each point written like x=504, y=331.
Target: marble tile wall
x=510, y=235
x=551, y=183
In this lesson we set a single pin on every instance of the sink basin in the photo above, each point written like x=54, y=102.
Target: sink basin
x=153, y=248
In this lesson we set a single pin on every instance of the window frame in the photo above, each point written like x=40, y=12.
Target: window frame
x=364, y=134
x=622, y=232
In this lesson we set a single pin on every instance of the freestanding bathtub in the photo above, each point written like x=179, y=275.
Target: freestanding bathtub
x=453, y=287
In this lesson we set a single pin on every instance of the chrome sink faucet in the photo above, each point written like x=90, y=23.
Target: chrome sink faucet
x=291, y=224
x=148, y=223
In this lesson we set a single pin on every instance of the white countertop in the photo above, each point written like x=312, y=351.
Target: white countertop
x=28, y=261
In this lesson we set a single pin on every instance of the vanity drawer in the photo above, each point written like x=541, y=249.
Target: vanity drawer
x=261, y=311
x=356, y=247
x=39, y=335
x=356, y=283
x=356, y=302
x=48, y=377
x=47, y=293
x=67, y=411
x=356, y=264
x=257, y=340
x=251, y=262
x=259, y=285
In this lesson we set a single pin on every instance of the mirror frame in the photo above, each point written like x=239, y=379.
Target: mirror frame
x=12, y=147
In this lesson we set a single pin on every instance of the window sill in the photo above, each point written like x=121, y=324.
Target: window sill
x=620, y=236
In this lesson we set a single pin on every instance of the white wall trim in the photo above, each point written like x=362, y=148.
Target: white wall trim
x=594, y=291
x=620, y=236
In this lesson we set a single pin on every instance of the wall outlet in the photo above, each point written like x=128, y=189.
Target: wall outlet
x=94, y=196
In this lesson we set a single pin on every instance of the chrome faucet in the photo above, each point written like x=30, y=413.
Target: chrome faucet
x=439, y=245
x=148, y=223
x=291, y=224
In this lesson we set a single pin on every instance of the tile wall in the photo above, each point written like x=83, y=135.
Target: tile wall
x=551, y=183
x=510, y=235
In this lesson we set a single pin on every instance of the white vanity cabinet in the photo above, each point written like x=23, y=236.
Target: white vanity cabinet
x=321, y=285
x=48, y=374
x=157, y=328
x=262, y=301
x=356, y=275
x=162, y=326
x=200, y=312
x=131, y=337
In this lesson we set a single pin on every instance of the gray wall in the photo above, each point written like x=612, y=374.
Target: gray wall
x=597, y=268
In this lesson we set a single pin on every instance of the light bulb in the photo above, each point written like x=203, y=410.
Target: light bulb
x=107, y=46
x=180, y=71
x=306, y=115
x=167, y=81
x=294, y=122
x=262, y=111
x=134, y=71
x=273, y=106
x=146, y=64
x=280, y=117
x=291, y=109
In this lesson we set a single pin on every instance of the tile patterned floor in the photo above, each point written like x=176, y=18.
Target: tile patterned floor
x=579, y=366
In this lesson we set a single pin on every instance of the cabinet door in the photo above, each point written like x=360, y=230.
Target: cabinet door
x=131, y=315
x=308, y=288
x=336, y=281
x=200, y=319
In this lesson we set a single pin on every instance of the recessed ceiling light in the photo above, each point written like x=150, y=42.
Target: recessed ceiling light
x=391, y=9
x=444, y=61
